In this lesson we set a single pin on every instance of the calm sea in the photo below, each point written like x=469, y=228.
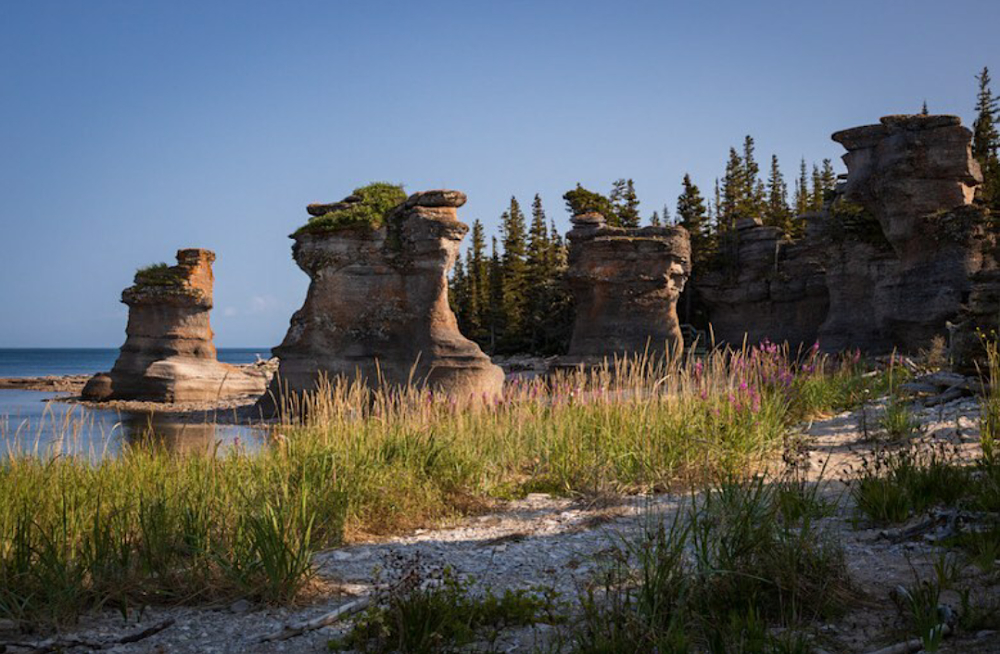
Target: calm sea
x=38, y=362
x=30, y=422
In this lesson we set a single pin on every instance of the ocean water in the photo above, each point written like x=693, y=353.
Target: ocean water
x=31, y=423
x=38, y=362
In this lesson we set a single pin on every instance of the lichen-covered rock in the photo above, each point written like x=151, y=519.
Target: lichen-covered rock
x=168, y=355
x=377, y=306
x=626, y=283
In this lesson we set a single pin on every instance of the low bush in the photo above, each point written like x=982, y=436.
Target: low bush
x=374, y=203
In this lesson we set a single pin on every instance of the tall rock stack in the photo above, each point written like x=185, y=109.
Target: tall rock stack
x=626, y=282
x=377, y=306
x=900, y=254
x=916, y=177
x=168, y=355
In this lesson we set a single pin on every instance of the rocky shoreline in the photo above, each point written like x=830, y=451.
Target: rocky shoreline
x=48, y=383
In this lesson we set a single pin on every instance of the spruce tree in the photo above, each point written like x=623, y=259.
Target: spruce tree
x=827, y=176
x=778, y=214
x=654, y=220
x=802, y=200
x=923, y=109
x=986, y=140
x=477, y=287
x=495, y=306
x=691, y=215
x=538, y=276
x=665, y=219
x=733, y=191
x=720, y=226
x=751, y=204
x=515, y=288
x=616, y=199
x=816, y=195
x=581, y=200
x=628, y=211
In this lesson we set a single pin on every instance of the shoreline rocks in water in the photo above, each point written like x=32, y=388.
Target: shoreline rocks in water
x=47, y=383
x=377, y=306
x=168, y=355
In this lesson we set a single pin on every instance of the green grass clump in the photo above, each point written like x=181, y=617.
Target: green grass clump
x=438, y=612
x=717, y=578
x=157, y=274
x=376, y=201
x=892, y=485
x=152, y=527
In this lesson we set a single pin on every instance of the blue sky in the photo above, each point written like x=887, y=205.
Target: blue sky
x=131, y=129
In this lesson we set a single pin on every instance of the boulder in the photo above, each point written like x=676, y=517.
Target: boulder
x=626, y=283
x=168, y=355
x=377, y=306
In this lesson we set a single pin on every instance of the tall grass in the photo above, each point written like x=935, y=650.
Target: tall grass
x=151, y=526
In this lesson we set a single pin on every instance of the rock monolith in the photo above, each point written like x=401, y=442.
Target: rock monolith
x=168, y=355
x=377, y=305
x=625, y=282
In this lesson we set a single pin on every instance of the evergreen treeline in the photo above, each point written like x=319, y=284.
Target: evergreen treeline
x=514, y=298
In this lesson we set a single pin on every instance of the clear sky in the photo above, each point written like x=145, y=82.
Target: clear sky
x=131, y=129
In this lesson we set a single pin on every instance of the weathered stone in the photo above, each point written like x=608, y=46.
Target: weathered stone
x=168, y=355
x=377, y=307
x=891, y=259
x=909, y=169
x=626, y=283
x=774, y=289
x=437, y=198
x=323, y=209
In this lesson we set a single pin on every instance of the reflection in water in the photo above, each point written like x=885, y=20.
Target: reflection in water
x=30, y=423
x=174, y=437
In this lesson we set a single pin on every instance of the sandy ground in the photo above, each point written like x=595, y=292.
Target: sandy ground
x=559, y=543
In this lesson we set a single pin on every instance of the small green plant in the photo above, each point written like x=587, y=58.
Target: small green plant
x=373, y=204
x=982, y=545
x=920, y=604
x=434, y=611
x=897, y=421
x=978, y=612
x=893, y=484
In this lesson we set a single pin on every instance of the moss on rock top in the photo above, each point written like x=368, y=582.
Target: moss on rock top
x=158, y=274
x=367, y=206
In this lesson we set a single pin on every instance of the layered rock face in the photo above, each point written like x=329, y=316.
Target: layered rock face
x=377, y=305
x=916, y=176
x=626, y=283
x=898, y=248
x=168, y=355
x=775, y=289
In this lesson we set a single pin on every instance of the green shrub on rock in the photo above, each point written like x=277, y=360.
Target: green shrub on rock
x=367, y=206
